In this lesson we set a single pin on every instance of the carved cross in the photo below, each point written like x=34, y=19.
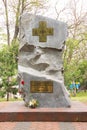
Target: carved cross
x=42, y=31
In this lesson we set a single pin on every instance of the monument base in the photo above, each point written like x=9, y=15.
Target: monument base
x=17, y=112
x=49, y=92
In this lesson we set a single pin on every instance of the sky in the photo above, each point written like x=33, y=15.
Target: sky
x=51, y=9
x=59, y=4
x=50, y=12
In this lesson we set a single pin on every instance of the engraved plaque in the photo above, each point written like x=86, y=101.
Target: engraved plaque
x=41, y=86
x=42, y=31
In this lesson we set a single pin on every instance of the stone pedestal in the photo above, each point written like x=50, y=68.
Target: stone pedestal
x=17, y=112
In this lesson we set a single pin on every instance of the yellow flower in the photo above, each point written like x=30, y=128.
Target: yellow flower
x=33, y=103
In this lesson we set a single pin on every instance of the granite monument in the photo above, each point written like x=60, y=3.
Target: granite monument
x=40, y=64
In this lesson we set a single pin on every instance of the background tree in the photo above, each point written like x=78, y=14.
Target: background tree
x=73, y=14
x=9, y=54
x=76, y=45
x=8, y=67
x=17, y=7
x=7, y=21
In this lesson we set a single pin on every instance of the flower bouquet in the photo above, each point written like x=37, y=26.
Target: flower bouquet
x=33, y=103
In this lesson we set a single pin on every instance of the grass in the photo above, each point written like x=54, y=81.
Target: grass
x=11, y=99
x=80, y=96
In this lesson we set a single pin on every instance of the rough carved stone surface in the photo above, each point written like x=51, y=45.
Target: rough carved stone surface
x=42, y=61
x=28, y=22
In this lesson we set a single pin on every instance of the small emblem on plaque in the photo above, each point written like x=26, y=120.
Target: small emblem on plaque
x=41, y=86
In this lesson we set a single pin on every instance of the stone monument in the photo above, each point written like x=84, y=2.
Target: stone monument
x=40, y=63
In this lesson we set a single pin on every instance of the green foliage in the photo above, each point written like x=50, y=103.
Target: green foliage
x=2, y=94
x=14, y=90
x=8, y=65
x=77, y=72
x=75, y=61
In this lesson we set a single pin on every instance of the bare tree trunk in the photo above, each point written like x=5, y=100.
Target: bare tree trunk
x=7, y=21
x=17, y=22
x=23, y=1
x=20, y=9
x=7, y=96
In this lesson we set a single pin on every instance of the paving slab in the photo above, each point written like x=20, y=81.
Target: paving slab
x=43, y=125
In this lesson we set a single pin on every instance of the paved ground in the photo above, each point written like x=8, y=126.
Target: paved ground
x=41, y=125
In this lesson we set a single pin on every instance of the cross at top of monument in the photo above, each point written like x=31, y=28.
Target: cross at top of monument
x=42, y=31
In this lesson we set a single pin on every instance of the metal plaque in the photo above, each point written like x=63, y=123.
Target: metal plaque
x=42, y=31
x=41, y=86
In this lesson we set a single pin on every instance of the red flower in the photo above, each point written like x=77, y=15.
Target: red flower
x=22, y=82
